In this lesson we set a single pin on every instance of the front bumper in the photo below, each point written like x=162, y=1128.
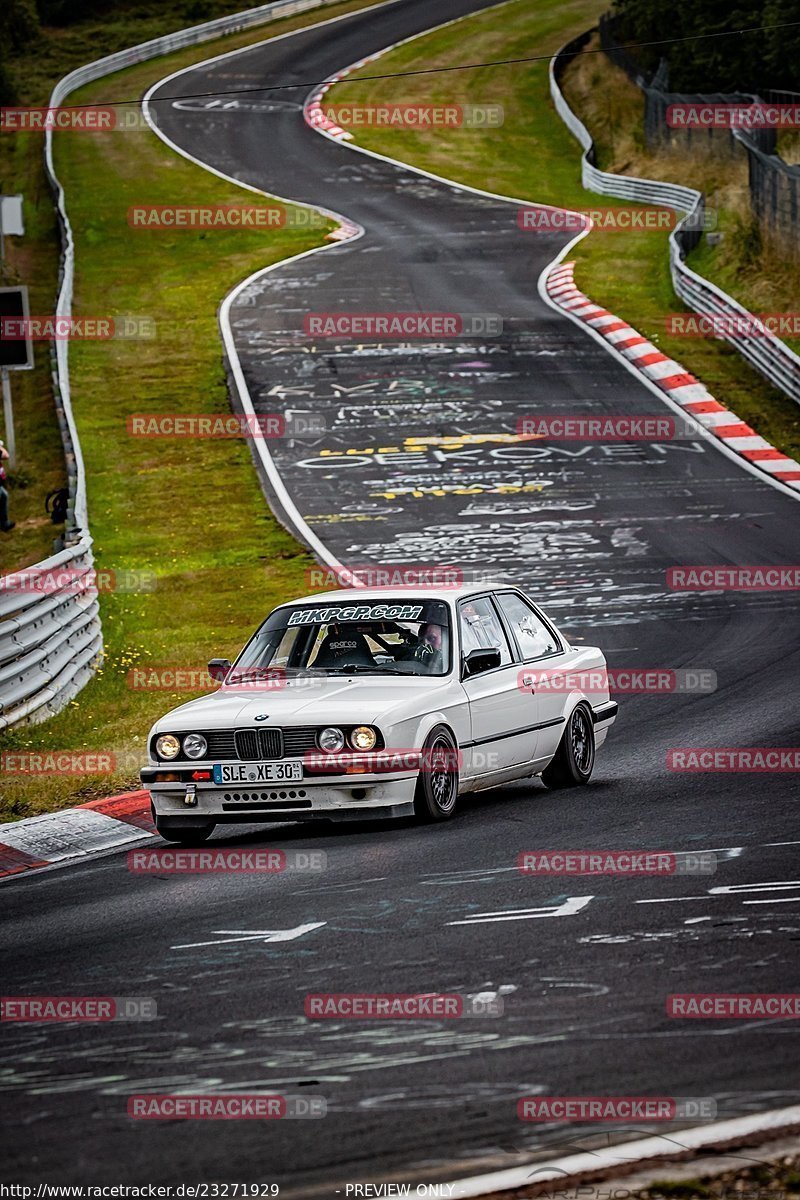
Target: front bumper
x=347, y=796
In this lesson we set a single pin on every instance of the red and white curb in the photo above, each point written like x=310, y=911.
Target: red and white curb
x=313, y=111
x=316, y=116
x=72, y=833
x=672, y=379
x=605, y=1161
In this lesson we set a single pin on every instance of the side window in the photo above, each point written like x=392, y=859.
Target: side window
x=535, y=639
x=481, y=629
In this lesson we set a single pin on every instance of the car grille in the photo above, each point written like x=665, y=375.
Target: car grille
x=250, y=745
x=254, y=744
x=297, y=741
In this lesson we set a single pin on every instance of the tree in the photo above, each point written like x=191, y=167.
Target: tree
x=782, y=45
x=19, y=26
x=701, y=59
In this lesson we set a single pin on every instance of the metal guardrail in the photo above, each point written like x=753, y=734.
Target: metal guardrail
x=767, y=353
x=50, y=635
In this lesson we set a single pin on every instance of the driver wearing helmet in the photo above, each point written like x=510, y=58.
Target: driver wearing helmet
x=428, y=649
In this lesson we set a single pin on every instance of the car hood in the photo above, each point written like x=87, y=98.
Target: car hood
x=346, y=701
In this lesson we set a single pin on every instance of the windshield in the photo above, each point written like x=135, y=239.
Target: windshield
x=393, y=637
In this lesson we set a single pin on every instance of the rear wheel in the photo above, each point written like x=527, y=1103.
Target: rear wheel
x=437, y=785
x=573, y=762
x=186, y=833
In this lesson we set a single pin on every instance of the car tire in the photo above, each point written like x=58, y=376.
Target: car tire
x=186, y=834
x=573, y=762
x=436, y=796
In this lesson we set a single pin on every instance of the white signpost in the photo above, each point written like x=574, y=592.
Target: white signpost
x=11, y=220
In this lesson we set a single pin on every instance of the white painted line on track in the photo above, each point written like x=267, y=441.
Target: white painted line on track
x=777, y=885
x=254, y=935
x=572, y=905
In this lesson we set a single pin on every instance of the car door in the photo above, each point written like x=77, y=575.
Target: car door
x=540, y=650
x=500, y=711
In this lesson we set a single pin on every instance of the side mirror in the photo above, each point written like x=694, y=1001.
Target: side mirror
x=218, y=668
x=481, y=660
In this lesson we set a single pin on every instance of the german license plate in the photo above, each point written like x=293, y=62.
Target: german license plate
x=272, y=772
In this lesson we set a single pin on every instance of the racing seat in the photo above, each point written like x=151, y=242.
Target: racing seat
x=342, y=647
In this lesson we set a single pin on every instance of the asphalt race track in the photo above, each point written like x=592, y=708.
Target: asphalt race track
x=590, y=533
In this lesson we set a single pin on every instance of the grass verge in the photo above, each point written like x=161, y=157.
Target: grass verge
x=533, y=156
x=189, y=511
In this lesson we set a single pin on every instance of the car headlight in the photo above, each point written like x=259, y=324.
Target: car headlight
x=331, y=739
x=168, y=746
x=194, y=745
x=363, y=737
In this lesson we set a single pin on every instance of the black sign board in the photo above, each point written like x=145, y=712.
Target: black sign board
x=16, y=351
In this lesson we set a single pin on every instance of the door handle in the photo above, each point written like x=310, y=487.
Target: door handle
x=528, y=682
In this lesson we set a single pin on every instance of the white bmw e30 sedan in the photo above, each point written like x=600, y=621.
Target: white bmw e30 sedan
x=358, y=704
